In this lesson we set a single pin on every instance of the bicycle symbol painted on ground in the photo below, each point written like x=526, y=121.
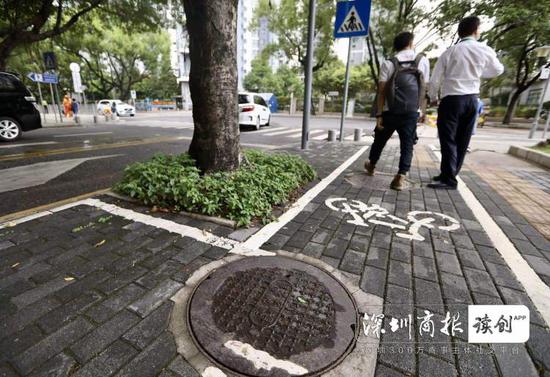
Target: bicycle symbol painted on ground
x=405, y=228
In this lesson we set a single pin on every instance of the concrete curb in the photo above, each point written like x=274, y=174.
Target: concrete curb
x=361, y=361
x=530, y=155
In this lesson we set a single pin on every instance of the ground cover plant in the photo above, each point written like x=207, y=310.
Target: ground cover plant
x=247, y=194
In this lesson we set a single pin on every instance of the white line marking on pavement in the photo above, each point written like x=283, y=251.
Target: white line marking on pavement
x=323, y=136
x=295, y=135
x=258, y=239
x=27, y=144
x=265, y=130
x=170, y=226
x=263, y=360
x=293, y=130
x=534, y=286
x=85, y=134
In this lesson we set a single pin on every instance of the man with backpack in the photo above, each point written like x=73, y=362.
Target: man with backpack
x=401, y=94
x=457, y=75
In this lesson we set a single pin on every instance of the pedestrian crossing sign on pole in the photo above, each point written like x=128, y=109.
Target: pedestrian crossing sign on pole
x=352, y=18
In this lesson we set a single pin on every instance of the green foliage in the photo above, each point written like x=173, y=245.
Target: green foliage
x=332, y=77
x=262, y=181
x=288, y=19
x=263, y=80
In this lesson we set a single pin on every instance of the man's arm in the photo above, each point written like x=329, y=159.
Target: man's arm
x=437, y=76
x=380, y=103
x=493, y=66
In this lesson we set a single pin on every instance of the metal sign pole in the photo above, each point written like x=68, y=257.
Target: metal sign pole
x=539, y=109
x=58, y=103
x=53, y=103
x=41, y=101
x=308, y=74
x=346, y=86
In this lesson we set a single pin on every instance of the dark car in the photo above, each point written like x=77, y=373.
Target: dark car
x=17, y=110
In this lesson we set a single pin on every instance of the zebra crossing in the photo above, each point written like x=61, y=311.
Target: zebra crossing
x=286, y=132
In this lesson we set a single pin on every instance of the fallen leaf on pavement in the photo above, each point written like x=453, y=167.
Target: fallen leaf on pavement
x=99, y=243
x=15, y=265
x=69, y=278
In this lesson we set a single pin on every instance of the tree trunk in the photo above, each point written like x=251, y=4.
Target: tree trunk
x=212, y=27
x=511, y=109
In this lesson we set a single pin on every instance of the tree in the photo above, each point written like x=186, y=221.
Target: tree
x=519, y=30
x=333, y=75
x=212, y=27
x=24, y=22
x=115, y=60
x=288, y=19
x=260, y=78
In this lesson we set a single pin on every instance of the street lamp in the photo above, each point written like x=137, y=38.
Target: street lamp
x=542, y=53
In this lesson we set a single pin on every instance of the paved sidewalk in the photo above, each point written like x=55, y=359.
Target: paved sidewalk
x=86, y=292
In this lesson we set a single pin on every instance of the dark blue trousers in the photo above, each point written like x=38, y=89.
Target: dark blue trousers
x=405, y=125
x=456, y=118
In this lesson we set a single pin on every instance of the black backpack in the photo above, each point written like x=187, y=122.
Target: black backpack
x=406, y=87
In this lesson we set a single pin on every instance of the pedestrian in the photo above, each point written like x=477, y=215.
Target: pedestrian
x=75, y=107
x=456, y=78
x=45, y=106
x=67, y=106
x=401, y=95
x=113, y=108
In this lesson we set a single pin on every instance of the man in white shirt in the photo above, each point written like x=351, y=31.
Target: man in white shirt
x=399, y=99
x=456, y=78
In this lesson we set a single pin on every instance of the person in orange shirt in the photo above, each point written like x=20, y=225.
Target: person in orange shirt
x=67, y=105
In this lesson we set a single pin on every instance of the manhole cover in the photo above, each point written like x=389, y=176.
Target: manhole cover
x=380, y=181
x=273, y=316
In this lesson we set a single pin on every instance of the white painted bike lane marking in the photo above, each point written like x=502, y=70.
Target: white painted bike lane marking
x=536, y=289
x=268, y=231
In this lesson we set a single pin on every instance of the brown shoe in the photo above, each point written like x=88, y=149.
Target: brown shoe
x=398, y=182
x=369, y=167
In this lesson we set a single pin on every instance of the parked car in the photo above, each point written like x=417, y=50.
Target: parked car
x=122, y=108
x=18, y=112
x=253, y=110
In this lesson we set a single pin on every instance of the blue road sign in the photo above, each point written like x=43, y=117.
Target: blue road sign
x=49, y=78
x=352, y=18
x=36, y=77
x=46, y=77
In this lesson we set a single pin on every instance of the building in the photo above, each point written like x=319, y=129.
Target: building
x=249, y=44
x=181, y=63
x=359, y=51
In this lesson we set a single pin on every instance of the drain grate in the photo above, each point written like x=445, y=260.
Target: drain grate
x=281, y=309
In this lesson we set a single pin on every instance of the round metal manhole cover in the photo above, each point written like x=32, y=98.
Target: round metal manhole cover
x=379, y=181
x=273, y=316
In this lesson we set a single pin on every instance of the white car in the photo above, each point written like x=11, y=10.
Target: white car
x=253, y=110
x=122, y=108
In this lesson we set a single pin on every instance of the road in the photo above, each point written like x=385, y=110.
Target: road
x=54, y=164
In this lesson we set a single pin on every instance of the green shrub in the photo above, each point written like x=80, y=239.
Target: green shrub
x=497, y=111
x=263, y=181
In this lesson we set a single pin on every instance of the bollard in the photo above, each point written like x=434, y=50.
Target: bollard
x=331, y=135
x=106, y=117
x=357, y=134
x=95, y=118
x=76, y=119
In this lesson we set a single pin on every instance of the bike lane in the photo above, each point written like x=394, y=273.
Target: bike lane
x=427, y=255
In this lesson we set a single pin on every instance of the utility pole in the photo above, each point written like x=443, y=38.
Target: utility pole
x=308, y=74
x=346, y=86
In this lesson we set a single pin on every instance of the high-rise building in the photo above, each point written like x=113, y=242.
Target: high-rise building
x=181, y=63
x=250, y=42
x=359, y=51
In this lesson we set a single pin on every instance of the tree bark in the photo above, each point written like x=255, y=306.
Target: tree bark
x=212, y=27
x=511, y=109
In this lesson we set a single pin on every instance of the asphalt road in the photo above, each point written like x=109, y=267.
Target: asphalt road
x=53, y=164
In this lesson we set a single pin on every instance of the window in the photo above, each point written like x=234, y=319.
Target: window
x=259, y=101
x=533, y=97
x=243, y=98
x=8, y=83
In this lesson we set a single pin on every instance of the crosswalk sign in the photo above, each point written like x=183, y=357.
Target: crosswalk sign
x=50, y=61
x=352, y=18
